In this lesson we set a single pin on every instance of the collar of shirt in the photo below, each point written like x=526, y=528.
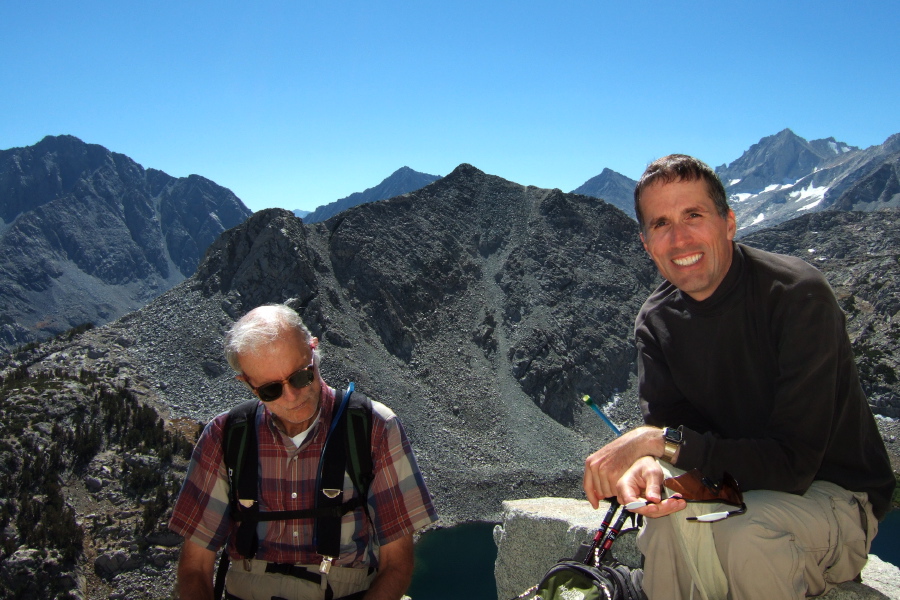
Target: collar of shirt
x=326, y=409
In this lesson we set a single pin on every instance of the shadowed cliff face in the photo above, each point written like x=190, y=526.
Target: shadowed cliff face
x=88, y=235
x=539, y=284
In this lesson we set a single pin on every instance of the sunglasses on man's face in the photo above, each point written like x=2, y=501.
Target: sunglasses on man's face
x=273, y=390
x=694, y=487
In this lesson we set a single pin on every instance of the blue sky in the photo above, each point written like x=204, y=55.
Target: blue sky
x=296, y=104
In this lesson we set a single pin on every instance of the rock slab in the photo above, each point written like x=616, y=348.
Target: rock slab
x=535, y=533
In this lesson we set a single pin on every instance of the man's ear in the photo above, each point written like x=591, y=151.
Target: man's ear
x=313, y=342
x=643, y=242
x=731, y=226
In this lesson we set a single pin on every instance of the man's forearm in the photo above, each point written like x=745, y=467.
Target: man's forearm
x=195, y=572
x=389, y=585
x=394, y=571
x=194, y=587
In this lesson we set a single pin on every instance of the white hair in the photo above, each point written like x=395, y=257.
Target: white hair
x=260, y=328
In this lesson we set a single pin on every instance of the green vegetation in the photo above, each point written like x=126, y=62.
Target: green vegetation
x=52, y=424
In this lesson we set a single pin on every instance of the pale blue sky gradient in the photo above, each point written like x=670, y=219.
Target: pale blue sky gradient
x=297, y=104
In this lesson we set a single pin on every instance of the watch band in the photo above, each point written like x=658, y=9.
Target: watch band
x=673, y=439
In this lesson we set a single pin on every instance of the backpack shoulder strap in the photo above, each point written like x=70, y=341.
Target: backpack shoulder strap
x=347, y=449
x=359, y=444
x=239, y=451
x=242, y=464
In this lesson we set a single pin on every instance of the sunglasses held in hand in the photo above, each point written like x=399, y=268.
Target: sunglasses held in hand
x=273, y=390
x=692, y=486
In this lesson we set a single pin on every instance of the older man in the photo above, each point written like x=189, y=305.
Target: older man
x=277, y=358
x=744, y=368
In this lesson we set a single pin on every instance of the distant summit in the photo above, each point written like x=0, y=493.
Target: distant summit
x=88, y=235
x=612, y=187
x=402, y=181
x=779, y=159
x=783, y=176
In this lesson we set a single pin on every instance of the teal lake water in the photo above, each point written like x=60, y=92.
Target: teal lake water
x=458, y=562
x=455, y=563
x=886, y=544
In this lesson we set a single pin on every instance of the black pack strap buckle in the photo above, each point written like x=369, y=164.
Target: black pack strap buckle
x=293, y=571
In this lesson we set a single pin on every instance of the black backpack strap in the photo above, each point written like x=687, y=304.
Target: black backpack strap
x=359, y=447
x=239, y=451
x=219, y=586
x=242, y=464
x=348, y=448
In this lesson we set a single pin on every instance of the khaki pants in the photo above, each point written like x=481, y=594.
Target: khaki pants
x=785, y=546
x=256, y=584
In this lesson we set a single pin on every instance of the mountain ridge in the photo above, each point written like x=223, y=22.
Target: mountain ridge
x=613, y=187
x=401, y=181
x=89, y=234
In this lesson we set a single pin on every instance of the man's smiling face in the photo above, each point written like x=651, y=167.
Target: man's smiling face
x=690, y=242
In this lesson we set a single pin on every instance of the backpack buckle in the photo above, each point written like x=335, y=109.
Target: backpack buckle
x=325, y=565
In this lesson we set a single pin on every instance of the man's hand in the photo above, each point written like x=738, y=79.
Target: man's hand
x=604, y=468
x=644, y=481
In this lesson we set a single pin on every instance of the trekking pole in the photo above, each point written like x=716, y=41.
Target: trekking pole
x=601, y=531
x=612, y=535
x=610, y=424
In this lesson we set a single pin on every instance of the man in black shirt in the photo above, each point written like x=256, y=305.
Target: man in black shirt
x=744, y=367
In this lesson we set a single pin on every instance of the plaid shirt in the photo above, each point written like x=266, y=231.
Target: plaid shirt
x=399, y=502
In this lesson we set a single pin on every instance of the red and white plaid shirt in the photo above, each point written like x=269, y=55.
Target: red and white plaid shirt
x=399, y=502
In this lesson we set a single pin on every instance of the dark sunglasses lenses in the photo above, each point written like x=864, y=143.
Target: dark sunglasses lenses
x=298, y=380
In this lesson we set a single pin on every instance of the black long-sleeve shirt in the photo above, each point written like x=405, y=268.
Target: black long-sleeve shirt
x=761, y=376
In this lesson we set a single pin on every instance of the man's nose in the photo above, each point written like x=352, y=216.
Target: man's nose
x=289, y=392
x=681, y=234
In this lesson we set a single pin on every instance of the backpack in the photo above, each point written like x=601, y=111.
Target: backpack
x=593, y=574
x=348, y=448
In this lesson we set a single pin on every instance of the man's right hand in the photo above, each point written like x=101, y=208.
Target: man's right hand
x=644, y=481
x=604, y=468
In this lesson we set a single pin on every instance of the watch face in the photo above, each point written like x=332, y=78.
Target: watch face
x=673, y=435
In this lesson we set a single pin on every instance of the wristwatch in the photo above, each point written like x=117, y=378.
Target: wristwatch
x=673, y=439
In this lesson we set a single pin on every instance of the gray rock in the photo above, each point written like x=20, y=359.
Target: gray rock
x=164, y=538
x=93, y=484
x=109, y=564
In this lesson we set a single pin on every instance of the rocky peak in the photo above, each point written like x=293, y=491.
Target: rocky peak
x=89, y=234
x=401, y=181
x=778, y=159
x=612, y=187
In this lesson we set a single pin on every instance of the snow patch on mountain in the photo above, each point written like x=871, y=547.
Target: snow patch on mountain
x=775, y=187
x=811, y=194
